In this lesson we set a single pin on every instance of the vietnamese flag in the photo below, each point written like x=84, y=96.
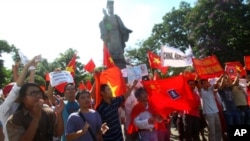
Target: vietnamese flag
x=232, y=68
x=113, y=78
x=81, y=86
x=107, y=59
x=72, y=65
x=90, y=66
x=169, y=94
x=88, y=85
x=155, y=62
x=60, y=87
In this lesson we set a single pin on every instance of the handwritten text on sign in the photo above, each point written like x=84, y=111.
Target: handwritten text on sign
x=57, y=78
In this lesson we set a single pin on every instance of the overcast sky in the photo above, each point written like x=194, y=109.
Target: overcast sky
x=50, y=27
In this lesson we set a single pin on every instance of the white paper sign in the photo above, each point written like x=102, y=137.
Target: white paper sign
x=136, y=72
x=57, y=78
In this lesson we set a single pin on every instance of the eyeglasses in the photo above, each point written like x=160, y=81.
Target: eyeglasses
x=35, y=93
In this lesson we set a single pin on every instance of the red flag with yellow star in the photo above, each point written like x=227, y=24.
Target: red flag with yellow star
x=107, y=59
x=72, y=66
x=155, y=62
x=232, y=68
x=112, y=77
x=169, y=94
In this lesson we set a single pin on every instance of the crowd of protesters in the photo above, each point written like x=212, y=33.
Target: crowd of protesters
x=28, y=113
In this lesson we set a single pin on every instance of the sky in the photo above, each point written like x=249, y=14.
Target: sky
x=50, y=27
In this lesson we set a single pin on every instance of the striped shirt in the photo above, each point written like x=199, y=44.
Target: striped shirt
x=109, y=114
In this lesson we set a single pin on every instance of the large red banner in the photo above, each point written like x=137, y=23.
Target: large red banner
x=208, y=67
x=247, y=62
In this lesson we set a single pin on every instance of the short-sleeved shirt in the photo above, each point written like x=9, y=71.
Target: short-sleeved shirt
x=69, y=108
x=20, y=121
x=239, y=96
x=208, y=101
x=226, y=95
x=109, y=114
x=75, y=123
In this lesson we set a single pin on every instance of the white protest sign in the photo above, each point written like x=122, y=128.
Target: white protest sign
x=136, y=72
x=57, y=78
x=175, y=57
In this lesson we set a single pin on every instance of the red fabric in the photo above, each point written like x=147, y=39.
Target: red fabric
x=208, y=67
x=156, y=76
x=233, y=67
x=161, y=95
x=112, y=77
x=190, y=75
x=221, y=115
x=247, y=62
x=90, y=66
x=6, y=89
x=248, y=96
x=72, y=66
x=97, y=96
x=195, y=111
x=81, y=86
x=107, y=59
x=155, y=62
x=43, y=88
x=60, y=87
x=47, y=77
x=88, y=85
x=137, y=109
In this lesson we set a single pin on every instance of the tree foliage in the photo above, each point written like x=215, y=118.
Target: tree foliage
x=210, y=27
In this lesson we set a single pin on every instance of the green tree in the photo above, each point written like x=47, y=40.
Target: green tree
x=171, y=32
x=210, y=27
x=65, y=58
x=220, y=28
x=5, y=74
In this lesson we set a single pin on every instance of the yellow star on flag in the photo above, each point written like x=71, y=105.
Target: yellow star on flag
x=113, y=88
x=70, y=69
x=152, y=86
x=111, y=60
x=157, y=60
x=238, y=68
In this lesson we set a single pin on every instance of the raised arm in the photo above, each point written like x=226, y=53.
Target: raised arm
x=219, y=84
x=127, y=94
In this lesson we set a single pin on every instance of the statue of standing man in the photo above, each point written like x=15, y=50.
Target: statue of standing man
x=114, y=34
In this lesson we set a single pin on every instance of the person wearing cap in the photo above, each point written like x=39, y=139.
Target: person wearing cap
x=9, y=106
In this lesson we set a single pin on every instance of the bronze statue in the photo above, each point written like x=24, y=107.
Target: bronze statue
x=114, y=34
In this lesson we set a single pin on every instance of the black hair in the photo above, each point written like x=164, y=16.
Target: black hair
x=103, y=87
x=190, y=80
x=139, y=91
x=203, y=80
x=22, y=92
x=64, y=89
x=80, y=92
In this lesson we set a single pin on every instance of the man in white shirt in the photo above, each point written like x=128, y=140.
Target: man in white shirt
x=9, y=106
x=210, y=111
x=142, y=118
